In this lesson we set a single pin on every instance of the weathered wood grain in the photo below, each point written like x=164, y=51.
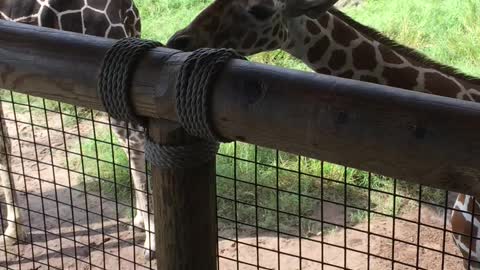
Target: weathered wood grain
x=184, y=205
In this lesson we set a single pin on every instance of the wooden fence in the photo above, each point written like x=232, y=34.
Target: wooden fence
x=426, y=139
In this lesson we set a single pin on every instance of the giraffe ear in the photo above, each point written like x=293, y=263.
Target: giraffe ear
x=310, y=8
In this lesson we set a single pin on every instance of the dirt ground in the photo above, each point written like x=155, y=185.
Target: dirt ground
x=355, y=256
x=63, y=235
x=75, y=234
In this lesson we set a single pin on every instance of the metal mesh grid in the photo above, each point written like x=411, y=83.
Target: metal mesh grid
x=74, y=191
x=291, y=212
x=274, y=210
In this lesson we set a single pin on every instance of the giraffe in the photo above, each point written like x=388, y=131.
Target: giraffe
x=104, y=18
x=330, y=42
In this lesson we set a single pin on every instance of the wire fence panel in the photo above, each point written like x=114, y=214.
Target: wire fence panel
x=281, y=211
x=274, y=210
x=75, y=196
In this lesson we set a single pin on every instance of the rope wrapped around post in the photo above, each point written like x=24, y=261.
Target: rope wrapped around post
x=196, y=77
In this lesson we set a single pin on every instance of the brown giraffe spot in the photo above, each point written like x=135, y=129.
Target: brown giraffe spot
x=129, y=18
x=389, y=56
x=364, y=57
x=438, y=84
x=35, y=8
x=470, y=204
x=316, y=52
x=475, y=96
x=238, y=32
x=72, y=22
x=367, y=78
x=282, y=34
x=113, y=14
x=343, y=33
x=459, y=223
x=221, y=37
x=291, y=45
x=212, y=24
x=347, y=74
x=272, y=45
x=49, y=18
x=323, y=20
x=116, y=32
x=97, y=4
x=275, y=30
x=100, y=22
x=474, y=234
x=61, y=6
x=138, y=27
x=261, y=42
x=266, y=31
x=324, y=71
x=307, y=40
x=313, y=28
x=229, y=44
x=462, y=225
x=337, y=60
x=401, y=77
x=249, y=40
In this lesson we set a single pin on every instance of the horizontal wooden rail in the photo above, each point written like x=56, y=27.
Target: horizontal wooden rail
x=412, y=136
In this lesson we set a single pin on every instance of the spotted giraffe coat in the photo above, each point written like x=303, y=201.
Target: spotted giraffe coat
x=104, y=18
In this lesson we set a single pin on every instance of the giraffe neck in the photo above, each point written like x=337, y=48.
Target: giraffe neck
x=336, y=45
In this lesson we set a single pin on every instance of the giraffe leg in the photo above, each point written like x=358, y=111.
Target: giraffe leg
x=136, y=158
x=14, y=231
x=138, y=221
x=137, y=164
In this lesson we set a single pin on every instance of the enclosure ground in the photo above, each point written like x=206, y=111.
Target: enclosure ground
x=61, y=230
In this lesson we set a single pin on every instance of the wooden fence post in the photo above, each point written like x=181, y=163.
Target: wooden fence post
x=184, y=208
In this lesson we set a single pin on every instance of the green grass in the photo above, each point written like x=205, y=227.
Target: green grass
x=162, y=18
x=445, y=30
x=271, y=181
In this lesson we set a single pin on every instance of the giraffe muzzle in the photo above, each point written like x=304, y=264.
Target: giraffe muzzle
x=180, y=42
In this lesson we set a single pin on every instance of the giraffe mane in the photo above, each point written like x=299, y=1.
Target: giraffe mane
x=402, y=49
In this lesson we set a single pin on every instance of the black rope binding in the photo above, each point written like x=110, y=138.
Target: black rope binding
x=180, y=156
x=196, y=78
x=116, y=74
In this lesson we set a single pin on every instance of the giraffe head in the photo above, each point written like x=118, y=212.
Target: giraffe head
x=248, y=26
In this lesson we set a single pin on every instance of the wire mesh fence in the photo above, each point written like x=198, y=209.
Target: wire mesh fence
x=275, y=210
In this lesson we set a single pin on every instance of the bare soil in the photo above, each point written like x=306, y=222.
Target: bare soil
x=335, y=256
